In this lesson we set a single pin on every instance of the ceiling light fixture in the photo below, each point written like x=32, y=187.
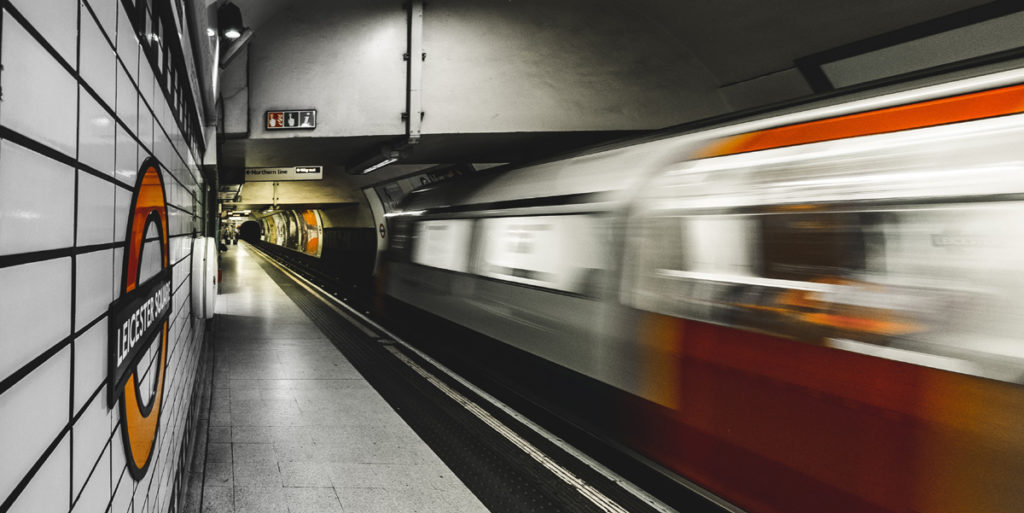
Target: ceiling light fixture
x=373, y=160
x=379, y=165
x=229, y=21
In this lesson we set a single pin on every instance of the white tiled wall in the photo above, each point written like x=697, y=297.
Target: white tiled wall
x=28, y=290
x=36, y=191
x=69, y=157
x=48, y=490
x=40, y=99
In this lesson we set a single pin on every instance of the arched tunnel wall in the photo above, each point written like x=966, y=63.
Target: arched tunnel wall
x=345, y=242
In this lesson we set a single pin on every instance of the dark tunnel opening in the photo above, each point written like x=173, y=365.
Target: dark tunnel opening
x=249, y=231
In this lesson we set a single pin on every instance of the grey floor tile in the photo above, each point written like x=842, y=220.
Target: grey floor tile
x=304, y=474
x=219, y=473
x=263, y=418
x=437, y=477
x=218, y=452
x=260, y=499
x=298, y=451
x=220, y=418
x=353, y=475
x=271, y=434
x=243, y=384
x=245, y=393
x=194, y=494
x=218, y=500
x=312, y=500
x=219, y=434
x=252, y=434
x=257, y=474
x=253, y=453
x=368, y=500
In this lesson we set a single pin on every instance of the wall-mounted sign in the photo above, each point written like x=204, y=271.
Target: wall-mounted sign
x=283, y=174
x=139, y=321
x=291, y=119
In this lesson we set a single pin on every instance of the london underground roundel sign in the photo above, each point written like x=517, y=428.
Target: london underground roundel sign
x=139, y=321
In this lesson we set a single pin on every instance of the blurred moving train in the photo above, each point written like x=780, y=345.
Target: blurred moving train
x=815, y=311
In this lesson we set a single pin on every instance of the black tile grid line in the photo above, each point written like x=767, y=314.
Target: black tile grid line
x=74, y=262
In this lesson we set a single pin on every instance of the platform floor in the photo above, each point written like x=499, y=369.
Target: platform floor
x=294, y=427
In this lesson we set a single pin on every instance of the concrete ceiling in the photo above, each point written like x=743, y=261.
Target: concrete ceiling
x=738, y=39
x=735, y=40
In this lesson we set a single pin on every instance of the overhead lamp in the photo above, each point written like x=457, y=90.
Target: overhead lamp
x=373, y=161
x=389, y=160
x=229, y=21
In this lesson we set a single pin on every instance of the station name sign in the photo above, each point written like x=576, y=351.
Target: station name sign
x=291, y=119
x=134, y=320
x=283, y=174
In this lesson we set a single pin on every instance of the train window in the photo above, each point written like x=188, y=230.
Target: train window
x=719, y=244
x=809, y=246
x=443, y=244
x=564, y=252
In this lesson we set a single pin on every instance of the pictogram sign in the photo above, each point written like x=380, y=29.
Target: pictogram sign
x=291, y=119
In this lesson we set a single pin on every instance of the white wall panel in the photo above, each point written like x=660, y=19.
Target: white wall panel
x=95, y=495
x=126, y=163
x=95, y=213
x=122, y=209
x=35, y=411
x=90, y=362
x=39, y=95
x=127, y=101
x=97, y=64
x=92, y=287
x=127, y=43
x=56, y=20
x=31, y=292
x=118, y=464
x=95, y=134
x=36, y=201
x=122, y=501
x=145, y=127
x=48, y=490
x=91, y=431
x=118, y=264
x=106, y=13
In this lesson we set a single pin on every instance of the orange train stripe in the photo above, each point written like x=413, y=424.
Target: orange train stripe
x=984, y=104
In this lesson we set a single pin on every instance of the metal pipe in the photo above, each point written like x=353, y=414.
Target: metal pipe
x=414, y=81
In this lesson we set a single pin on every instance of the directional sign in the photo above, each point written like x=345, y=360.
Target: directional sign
x=291, y=119
x=283, y=174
